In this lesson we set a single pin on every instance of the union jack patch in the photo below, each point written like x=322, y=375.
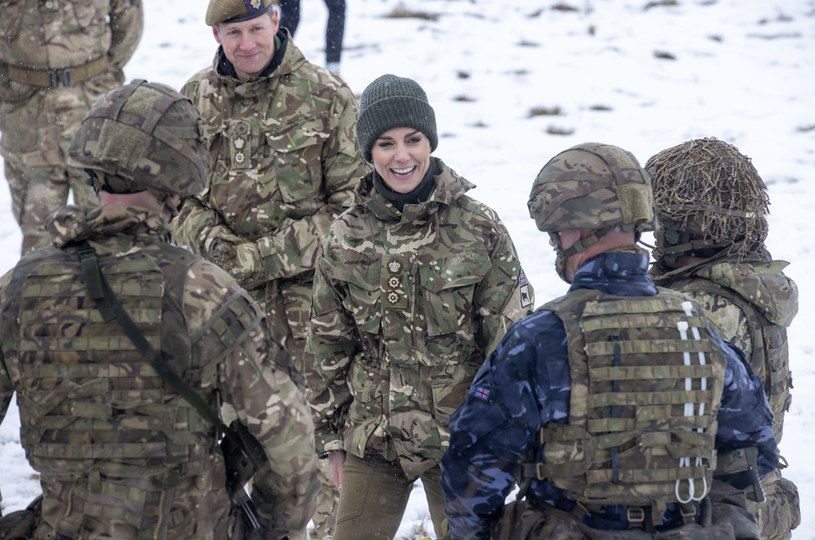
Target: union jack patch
x=482, y=393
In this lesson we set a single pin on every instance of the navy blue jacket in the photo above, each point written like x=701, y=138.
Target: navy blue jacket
x=525, y=384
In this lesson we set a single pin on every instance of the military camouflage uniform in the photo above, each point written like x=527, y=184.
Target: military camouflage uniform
x=406, y=305
x=285, y=158
x=56, y=59
x=751, y=303
x=120, y=454
x=531, y=382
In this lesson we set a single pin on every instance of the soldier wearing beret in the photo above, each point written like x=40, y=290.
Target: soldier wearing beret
x=284, y=159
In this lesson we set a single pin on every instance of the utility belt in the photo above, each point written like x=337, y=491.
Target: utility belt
x=54, y=77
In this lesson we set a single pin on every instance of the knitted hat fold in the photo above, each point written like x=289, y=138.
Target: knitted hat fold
x=393, y=102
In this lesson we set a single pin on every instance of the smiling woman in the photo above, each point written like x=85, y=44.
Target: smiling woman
x=415, y=284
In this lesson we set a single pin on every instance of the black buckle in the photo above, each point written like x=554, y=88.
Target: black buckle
x=60, y=76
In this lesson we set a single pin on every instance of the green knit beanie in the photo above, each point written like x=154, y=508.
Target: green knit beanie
x=393, y=102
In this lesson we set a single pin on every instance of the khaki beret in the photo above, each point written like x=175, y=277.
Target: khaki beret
x=220, y=11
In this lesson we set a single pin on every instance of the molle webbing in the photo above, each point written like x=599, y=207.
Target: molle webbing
x=769, y=356
x=96, y=416
x=643, y=401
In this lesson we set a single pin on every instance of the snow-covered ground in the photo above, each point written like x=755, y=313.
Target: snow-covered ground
x=515, y=81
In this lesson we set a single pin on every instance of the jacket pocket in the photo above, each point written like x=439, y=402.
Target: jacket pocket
x=296, y=158
x=448, y=291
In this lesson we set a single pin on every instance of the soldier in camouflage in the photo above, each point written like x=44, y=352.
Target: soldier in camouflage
x=120, y=453
x=608, y=405
x=416, y=282
x=56, y=59
x=711, y=206
x=281, y=136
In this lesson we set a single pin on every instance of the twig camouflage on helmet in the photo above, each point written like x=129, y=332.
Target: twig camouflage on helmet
x=708, y=195
x=143, y=136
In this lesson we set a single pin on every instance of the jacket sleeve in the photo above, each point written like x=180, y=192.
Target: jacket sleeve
x=744, y=416
x=252, y=379
x=504, y=294
x=333, y=346
x=198, y=226
x=126, y=26
x=292, y=248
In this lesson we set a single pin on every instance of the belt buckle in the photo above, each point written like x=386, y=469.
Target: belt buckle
x=61, y=76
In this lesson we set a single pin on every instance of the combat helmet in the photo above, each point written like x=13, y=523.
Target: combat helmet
x=591, y=186
x=142, y=136
x=709, y=199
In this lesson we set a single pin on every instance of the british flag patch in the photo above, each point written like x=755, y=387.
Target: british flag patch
x=482, y=393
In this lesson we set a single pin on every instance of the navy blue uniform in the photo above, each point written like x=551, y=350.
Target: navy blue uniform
x=525, y=384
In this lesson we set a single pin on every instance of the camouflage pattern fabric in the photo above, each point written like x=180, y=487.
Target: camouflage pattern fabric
x=631, y=364
x=284, y=160
x=751, y=303
x=525, y=384
x=406, y=306
x=119, y=453
x=37, y=123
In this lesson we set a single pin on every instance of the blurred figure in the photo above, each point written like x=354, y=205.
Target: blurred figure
x=609, y=404
x=284, y=160
x=334, y=28
x=121, y=453
x=712, y=208
x=56, y=59
x=416, y=283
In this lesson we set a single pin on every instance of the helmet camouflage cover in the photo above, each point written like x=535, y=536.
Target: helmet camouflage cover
x=592, y=186
x=708, y=195
x=143, y=136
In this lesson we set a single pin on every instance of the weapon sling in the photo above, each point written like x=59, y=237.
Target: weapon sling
x=233, y=447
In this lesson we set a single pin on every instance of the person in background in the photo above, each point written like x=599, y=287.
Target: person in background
x=120, y=453
x=284, y=159
x=609, y=404
x=334, y=28
x=416, y=282
x=711, y=207
x=56, y=59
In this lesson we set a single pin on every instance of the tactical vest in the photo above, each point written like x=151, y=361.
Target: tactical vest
x=95, y=415
x=646, y=383
x=769, y=357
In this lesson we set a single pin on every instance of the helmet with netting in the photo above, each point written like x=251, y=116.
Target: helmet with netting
x=592, y=186
x=708, y=197
x=142, y=136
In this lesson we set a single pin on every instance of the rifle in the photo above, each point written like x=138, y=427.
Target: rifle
x=243, y=454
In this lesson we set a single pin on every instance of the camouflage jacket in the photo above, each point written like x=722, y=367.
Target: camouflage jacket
x=119, y=452
x=284, y=160
x=405, y=307
x=68, y=33
x=526, y=385
x=751, y=303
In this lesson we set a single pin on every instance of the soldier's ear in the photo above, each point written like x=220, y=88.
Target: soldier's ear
x=216, y=33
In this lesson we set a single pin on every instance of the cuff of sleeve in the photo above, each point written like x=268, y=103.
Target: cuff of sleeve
x=270, y=258
x=327, y=444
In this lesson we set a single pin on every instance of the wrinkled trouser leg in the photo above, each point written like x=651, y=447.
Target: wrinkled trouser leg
x=36, y=192
x=781, y=511
x=325, y=514
x=374, y=496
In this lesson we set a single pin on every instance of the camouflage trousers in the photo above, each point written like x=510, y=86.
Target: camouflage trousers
x=781, y=511
x=37, y=126
x=287, y=304
x=724, y=517
x=325, y=514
